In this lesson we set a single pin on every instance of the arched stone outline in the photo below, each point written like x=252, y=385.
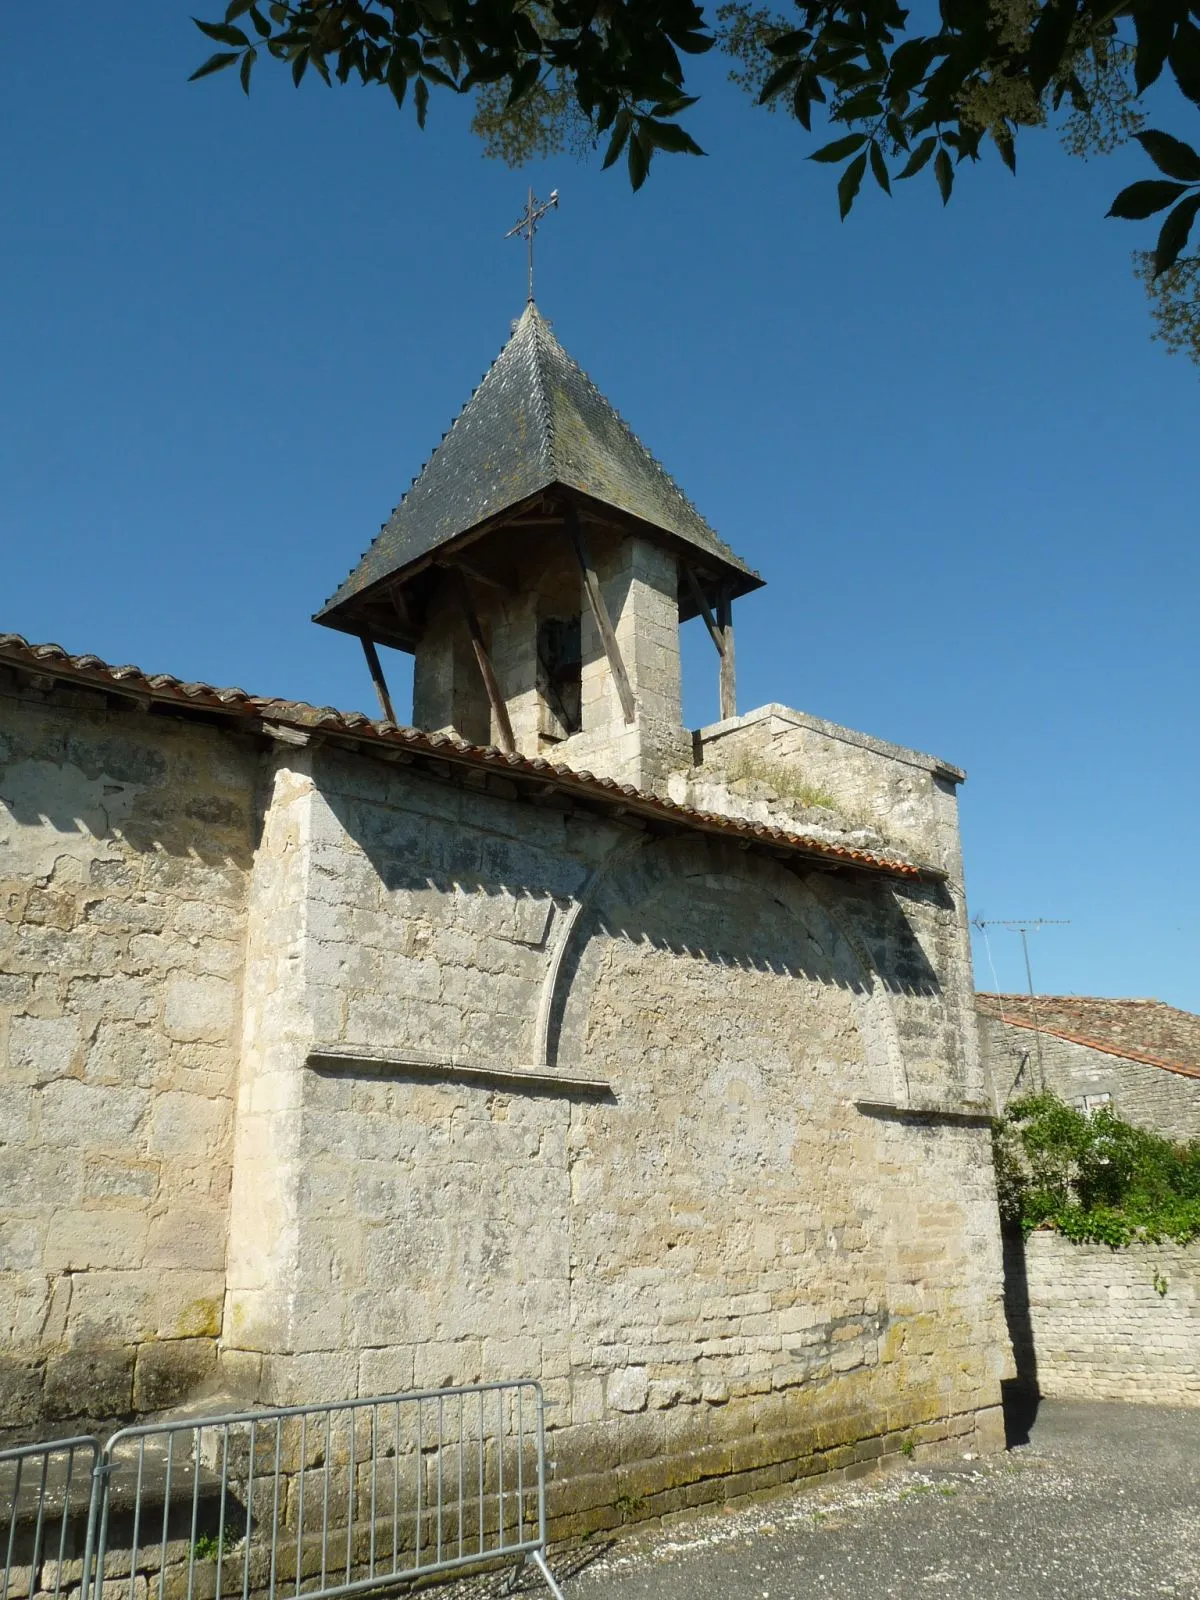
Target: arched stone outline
x=564, y=927
x=869, y=998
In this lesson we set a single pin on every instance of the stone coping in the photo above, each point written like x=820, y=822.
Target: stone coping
x=834, y=730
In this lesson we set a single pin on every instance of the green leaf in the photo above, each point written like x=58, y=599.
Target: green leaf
x=1174, y=234
x=1144, y=199
x=850, y=183
x=840, y=148
x=261, y=26
x=1185, y=60
x=223, y=58
x=879, y=169
x=421, y=100
x=236, y=9
x=1170, y=155
x=919, y=157
x=524, y=79
x=622, y=124
x=787, y=44
x=909, y=64
x=779, y=79
x=396, y=78
x=248, y=61
x=223, y=33
x=943, y=171
x=1154, y=30
x=1049, y=40
x=299, y=65
x=693, y=43
x=639, y=158
x=670, y=136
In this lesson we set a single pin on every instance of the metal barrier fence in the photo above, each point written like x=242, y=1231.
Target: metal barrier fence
x=48, y=1489
x=306, y=1502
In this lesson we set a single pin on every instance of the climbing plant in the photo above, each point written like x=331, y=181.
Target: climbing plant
x=1093, y=1177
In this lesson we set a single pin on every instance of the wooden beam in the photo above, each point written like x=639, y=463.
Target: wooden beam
x=486, y=670
x=595, y=600
x=703, y=608
x=377, y=677
x=728, y=668
x=476, y=575
x=402, y=608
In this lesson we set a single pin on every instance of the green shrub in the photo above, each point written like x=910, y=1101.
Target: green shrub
x=1096, y=1177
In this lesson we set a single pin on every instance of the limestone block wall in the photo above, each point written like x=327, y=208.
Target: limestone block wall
x=640, y=584
x=776, y=764
x=125, y=845
x=796, y=771
x=1101, y=1324
x=1152, y=1097
x=721, y=1265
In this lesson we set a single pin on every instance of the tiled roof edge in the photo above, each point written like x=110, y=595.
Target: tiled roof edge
x=1103, y=1046
x=53, y=660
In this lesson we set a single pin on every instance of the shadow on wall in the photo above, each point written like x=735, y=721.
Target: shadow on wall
x=1021, y=1394
x=419, y=851
x=129, y=790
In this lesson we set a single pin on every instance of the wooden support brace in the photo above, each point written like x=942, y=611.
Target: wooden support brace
x=728, y=669
x=595, y=600
x=486, y=670
x=702, y=607
x=377, y=677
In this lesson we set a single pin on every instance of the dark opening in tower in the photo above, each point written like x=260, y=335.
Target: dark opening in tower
x=559, y=673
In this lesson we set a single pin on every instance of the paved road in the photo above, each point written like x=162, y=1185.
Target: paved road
x=1102, y=1503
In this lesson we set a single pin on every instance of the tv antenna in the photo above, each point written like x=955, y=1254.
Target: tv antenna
x=1024, y=926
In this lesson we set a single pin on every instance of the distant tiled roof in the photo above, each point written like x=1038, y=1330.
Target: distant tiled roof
x=535, y=421
x=1140, y=1030
x=258, y=713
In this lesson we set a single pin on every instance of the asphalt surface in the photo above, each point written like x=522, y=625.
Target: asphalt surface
x=1101, y=1503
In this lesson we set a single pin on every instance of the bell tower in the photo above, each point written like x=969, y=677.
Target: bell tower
x=539, y=568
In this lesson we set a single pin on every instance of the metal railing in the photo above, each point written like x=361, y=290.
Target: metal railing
x=49, y=1492
x=308, y=1502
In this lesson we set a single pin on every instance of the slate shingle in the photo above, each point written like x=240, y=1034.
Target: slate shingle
x=535, y=421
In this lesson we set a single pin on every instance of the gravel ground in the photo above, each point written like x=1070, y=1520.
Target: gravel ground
x=1102, y=1503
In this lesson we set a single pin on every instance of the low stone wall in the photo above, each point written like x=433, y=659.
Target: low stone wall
x=1104, y=1324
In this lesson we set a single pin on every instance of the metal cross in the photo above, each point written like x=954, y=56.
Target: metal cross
x=527, y=223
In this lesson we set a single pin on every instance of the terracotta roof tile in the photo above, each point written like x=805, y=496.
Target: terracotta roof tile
x=52, y=660
x=1140, y=1030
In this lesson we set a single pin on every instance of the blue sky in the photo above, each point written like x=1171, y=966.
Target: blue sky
x=234, y=329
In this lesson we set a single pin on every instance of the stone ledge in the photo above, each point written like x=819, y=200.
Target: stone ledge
x=350, y=1059
x=973, y=1114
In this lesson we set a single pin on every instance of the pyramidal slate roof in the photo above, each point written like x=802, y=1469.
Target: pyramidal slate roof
x=535, y=421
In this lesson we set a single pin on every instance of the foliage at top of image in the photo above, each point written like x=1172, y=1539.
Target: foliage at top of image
x=1093, y=1177
x=568, y=75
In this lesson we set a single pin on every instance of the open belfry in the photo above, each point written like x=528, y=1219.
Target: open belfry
x=541, y=1037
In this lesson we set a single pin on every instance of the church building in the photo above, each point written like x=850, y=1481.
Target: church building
x=538, y=1037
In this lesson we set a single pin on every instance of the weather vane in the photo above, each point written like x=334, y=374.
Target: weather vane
x=527, y=224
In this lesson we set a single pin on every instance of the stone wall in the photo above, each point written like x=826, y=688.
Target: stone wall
x=1150, y=1096
x=1101, y=1324
x=711, y=1225
x=509, y=1086
x=125, y=845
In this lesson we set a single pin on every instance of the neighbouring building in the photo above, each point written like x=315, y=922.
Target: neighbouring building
x=543, y=1037
x=1139, y=1057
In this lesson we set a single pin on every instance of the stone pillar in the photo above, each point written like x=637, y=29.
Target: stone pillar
x=640, y=585
x=276, y=1038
